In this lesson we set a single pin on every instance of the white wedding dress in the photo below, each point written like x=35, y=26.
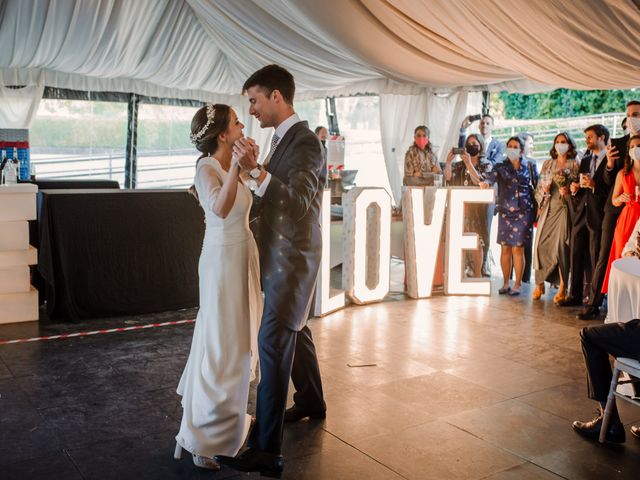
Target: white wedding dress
x=215, y=382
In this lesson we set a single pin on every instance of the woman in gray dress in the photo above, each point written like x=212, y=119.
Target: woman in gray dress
x=551, y=246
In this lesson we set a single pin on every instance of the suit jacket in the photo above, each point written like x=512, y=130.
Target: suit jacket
x=587, y=205
x=610, y=175
x=494, y=152
x=289, y=238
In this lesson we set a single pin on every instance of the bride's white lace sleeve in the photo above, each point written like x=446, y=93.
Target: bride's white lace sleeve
x=208, y=185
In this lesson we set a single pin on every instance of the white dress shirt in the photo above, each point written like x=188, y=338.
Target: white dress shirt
x=281, y=130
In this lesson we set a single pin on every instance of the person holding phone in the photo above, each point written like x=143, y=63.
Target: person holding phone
x=494, y=154
x=625, y=194
x=616, y=153
x=475, y=215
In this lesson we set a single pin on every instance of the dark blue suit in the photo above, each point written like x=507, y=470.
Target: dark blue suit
x=290, y=243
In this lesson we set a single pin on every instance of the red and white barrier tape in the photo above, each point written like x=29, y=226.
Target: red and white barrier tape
x=94, y=332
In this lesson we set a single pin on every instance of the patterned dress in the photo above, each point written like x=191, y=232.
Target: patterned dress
x=422, y=163
x=515, y=203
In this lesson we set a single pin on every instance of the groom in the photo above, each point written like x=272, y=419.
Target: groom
x=290, y=240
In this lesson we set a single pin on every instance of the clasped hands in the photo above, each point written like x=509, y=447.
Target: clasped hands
x=245, y=153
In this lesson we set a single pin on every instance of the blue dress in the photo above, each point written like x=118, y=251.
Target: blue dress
x=515, y=204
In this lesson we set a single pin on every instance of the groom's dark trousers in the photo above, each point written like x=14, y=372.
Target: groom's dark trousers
x=279, y=348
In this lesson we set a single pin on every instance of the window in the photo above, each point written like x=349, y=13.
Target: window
x=313, y=111
x=359, y=122
x=166, y=156
x=79, y=139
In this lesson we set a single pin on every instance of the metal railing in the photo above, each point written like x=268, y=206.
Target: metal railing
x=544, y=131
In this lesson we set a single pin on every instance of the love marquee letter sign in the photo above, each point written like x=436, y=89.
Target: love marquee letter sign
x=366, y=242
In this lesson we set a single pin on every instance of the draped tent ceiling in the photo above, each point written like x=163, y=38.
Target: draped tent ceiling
x=205, y=49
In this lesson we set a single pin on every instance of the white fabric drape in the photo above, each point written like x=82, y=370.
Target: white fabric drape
x=18, y=106
x=401, y=114
x=205, y=49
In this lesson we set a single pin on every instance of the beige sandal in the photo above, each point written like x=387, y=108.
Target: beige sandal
x=538, y=292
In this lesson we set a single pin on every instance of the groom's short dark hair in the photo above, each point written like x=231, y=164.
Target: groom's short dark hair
x=270, y=78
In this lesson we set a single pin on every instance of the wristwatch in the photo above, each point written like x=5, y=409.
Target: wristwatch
x=255, y=173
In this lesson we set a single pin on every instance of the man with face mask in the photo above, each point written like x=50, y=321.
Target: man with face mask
x=494, y=153
x=616, y=153
x=587, y=205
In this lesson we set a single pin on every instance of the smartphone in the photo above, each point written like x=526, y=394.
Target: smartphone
x=458, y=151
x=473, y=118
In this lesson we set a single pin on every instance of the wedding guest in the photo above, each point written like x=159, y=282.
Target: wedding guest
x=494, y=153
x=598, y=342
x=515, y=208
x=475, y=216
x=587, y=202
x=625, y=193
x=322, y=133
x=551, y=249
x=527, y=139
x=420, y=161
x=616, y=153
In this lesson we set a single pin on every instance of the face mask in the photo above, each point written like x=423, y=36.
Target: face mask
x=421, y=142
x=562, y=148
x=633, y=125
x=634, y=153
x=472, y=150
x=513, y=154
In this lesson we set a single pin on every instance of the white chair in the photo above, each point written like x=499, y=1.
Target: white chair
x=627, y=365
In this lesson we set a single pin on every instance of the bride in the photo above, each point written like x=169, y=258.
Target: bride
x=222, y=361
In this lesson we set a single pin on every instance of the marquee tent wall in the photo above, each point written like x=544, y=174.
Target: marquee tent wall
x=421, y=56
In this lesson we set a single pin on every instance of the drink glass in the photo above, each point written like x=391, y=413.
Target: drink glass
x=637, y=192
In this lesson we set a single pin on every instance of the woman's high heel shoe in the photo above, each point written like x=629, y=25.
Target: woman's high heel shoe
x=560, y=297
x=538, y=292
x=177, y=453
x=205, y=462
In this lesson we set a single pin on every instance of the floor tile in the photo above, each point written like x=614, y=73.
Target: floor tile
x=437, y=450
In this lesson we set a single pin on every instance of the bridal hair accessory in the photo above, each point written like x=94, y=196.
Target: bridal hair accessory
x=211, y=113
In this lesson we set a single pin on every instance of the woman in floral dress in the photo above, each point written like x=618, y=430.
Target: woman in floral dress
x=515, y=208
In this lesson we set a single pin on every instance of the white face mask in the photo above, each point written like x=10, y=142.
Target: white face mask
x=634, y=153
x=513, y=154
x=562, y=148
x=633, y=125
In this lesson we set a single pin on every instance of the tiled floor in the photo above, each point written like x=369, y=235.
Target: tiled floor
x=462, y=387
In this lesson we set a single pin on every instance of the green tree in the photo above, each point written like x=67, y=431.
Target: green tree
x=565, y=103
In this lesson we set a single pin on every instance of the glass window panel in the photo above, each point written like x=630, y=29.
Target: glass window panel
x=166, y=156
x=359, y=122
x=79, y=139
x=313, y=111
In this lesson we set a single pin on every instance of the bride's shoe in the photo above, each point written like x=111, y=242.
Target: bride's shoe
x=205, y=462
x=177, y=453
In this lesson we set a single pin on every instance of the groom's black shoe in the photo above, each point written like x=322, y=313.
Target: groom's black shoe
x=295, y=414
x=254, y=460
x=591, y=429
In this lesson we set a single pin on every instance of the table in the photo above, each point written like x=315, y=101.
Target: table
x=118, y=252
x=624, y=290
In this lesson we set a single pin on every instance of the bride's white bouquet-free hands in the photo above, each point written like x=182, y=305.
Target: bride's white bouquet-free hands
x=246, y=151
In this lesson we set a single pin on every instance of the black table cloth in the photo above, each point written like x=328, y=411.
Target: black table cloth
x=125, y=252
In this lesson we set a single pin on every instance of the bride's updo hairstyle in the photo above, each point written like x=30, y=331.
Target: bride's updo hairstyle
x=207, y=124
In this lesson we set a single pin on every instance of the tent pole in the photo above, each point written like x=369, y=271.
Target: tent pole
x=332, y=116
x=131, y=161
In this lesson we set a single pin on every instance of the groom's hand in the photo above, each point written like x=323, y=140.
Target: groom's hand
x=244, y=149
